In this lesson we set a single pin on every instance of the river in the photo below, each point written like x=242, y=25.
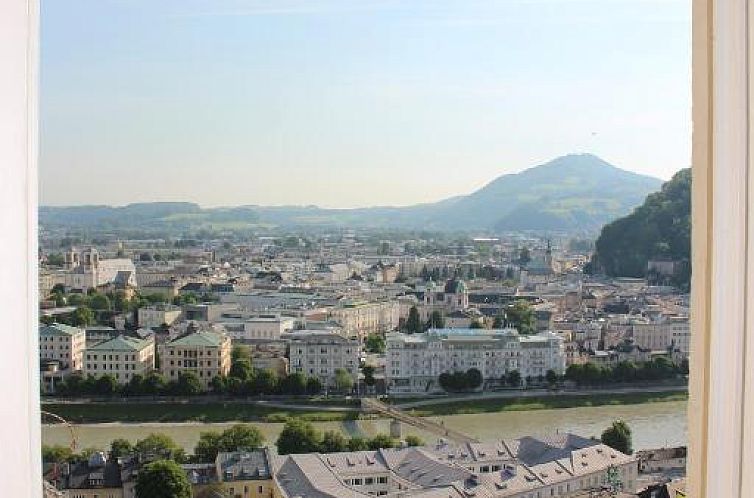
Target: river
x=653, y=425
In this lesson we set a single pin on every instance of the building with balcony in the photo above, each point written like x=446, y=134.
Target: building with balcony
x=414, y=362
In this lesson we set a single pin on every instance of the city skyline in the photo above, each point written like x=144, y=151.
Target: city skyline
x=343, y=105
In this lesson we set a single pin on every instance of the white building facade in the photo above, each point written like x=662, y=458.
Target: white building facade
x=414, y=362
x=673, y=333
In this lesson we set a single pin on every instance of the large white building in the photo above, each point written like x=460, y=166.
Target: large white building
x=158, y=314
x=121, y=357
x=86, y=270
x=673, y=333
x=414, y=362
x=361, y=318
x=527, y=467
x=320, y=354
x=262, y=327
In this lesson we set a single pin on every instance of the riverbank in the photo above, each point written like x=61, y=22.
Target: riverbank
x=103, y=412
x=220, y=411
x=532, y=403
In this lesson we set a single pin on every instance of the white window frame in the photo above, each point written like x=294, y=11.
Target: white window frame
x=722, y=378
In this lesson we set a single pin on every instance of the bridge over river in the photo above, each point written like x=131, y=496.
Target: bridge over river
x=372, y=405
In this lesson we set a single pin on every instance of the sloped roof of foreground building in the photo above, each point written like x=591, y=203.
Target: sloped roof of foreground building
x=441, y=470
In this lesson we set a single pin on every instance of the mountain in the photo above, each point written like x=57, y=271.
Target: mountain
x=577, y=192
x=659, y=229
x=573, y=192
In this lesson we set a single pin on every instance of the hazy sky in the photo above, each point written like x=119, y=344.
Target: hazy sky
x=351, y=103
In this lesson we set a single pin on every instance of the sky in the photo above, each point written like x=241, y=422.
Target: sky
x=346, y=103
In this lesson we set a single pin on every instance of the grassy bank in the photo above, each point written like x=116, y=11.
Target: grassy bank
x=185, y=412
x=543, y=403
x=98, y=412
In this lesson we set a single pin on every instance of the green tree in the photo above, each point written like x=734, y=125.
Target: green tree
x=474, y=378
x=521, y=315
x=524, y=256
x=382, y=441
x=56, y=454
x=294, y=383
x=240, y=369
x=154, y=383
x=56, y=259
x=162, y=479
x=106, y=385
x=240, y=437
x=358, y=444
x=265, y=381
x=218, y=384
x=120, y=447
x=413, y=440
x=188, y=384
x=413, y=322
x=514, y=378
x=618, y=437
x=343, y=380
x=436, y=320
x=313, y=385
x=82, y=317
x=368, y=371
x=298, y=436
x=551, y=377
x=333, y=442
x=658, y=229
x=498, y=322
x=100, y=302
x=240, y=352
x=375, y=343
x=159, y=445
x=76, y=299
x=476, y=324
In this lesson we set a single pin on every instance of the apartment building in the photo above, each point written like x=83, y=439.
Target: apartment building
x=64, y=344
x=158, y=314
x=253, y=328
x=414, y=362
x=318, y=353
x=671, y=333
x=528, y=467
x=122, y=357
x=205, y=353
x=361, y=318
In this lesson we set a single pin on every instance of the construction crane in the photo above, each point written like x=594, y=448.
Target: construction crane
x=70, y=426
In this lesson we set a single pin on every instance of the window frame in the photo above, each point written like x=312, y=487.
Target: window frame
x=721, y=445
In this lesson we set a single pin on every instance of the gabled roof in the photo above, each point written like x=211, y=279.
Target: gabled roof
x=121, y=343
x=59, y=330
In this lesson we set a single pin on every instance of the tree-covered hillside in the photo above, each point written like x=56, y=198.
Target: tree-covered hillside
x=659, y=229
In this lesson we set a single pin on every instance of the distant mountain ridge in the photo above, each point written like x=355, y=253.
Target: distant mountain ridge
x=576, y=192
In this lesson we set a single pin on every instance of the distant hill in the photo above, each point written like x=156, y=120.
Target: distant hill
x=573, y=192
x=577, y=192
x=659, y=229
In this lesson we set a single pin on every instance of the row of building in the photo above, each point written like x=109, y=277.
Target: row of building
x=529, y=467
